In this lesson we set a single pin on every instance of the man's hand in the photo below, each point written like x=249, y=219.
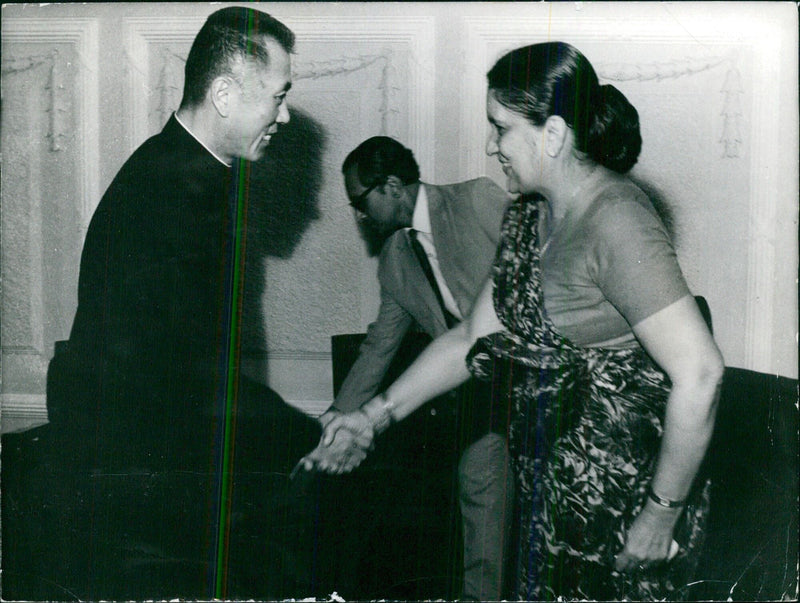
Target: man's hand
x=326, y=417
x=344, y=444
x=356, y=422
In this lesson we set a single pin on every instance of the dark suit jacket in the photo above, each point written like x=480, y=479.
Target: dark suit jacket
x=148, y=405
x=148, y=355
x=465, y=221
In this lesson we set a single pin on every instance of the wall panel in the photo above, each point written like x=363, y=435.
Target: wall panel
x=84, y=84
x=49, y=141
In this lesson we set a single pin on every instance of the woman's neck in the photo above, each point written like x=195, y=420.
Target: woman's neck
x=568, y=197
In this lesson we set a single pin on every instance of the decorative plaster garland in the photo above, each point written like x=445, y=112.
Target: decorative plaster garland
x=58, y=100
x=319, y=69
x=731, y=137
x=168, y=92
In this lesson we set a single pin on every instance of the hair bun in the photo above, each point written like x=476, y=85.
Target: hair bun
x=554, y=78
x=614, y=137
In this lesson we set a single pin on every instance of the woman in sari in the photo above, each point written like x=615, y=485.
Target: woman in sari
x=593, y=341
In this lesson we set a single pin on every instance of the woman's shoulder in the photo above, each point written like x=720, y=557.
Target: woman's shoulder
x=616, y=189
x=619, y=201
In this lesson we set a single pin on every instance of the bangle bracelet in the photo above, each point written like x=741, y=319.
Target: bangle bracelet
x=665, y=502
x=388, y=412
x=379, y=413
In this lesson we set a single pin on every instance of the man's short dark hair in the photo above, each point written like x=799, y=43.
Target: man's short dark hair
x=379, y=157
x=229, y=35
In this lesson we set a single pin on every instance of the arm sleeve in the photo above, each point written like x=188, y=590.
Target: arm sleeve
x=375, y=355
x=490, y=203
x=633, y=261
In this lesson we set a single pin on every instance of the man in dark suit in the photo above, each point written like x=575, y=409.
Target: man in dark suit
x=438, y=255
x=177, y=462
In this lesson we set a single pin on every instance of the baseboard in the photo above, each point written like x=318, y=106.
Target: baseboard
x=19, y=412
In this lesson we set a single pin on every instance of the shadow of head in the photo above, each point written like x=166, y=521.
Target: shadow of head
x=284, y=188
x=660, y=203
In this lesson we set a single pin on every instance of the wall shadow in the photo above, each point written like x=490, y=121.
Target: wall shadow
x=284, y=189
x=662, y=206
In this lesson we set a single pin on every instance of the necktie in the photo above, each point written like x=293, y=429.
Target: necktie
x=422, y=257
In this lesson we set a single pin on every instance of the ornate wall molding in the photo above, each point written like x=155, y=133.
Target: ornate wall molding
x=766, y=191
x=58, y=129
x=30, y=357
x=22, y=411
x=169, y=94
x=415, y=33
x=731, y=109
x=484, y=36
x=82, y=34
x=140, y=34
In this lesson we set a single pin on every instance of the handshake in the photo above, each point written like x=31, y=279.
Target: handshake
x=347, y=437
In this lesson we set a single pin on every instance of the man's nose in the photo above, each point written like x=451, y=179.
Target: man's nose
x=491, y=145
x=283, y=114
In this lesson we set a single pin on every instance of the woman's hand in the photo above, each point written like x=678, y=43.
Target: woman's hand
x=678, y=339
x=345, y=440
x=649, y=540
x=356, y=425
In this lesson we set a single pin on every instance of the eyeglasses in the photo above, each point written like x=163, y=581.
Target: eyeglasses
x=359, y=202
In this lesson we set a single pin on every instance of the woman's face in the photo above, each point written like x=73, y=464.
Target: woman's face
x=518, y=145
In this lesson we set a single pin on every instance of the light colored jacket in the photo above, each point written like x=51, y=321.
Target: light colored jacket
x=465, y=222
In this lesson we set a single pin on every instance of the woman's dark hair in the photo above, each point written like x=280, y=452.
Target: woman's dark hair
x=379, y=157
x=554, y=78
x=231, y=34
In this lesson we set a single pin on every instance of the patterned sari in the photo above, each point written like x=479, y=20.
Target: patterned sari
x=584, y=432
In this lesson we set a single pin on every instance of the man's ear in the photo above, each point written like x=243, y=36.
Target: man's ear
x=395, y=185
x=555, y=135
x=220, y=91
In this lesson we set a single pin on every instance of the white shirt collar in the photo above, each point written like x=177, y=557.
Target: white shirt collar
x=217, y=157
x=421, y=222
x=421, y=218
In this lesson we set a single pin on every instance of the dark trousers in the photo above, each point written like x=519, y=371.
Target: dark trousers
x=393, y=528
x=485, y=488
x=426, y=516
x=163, y=531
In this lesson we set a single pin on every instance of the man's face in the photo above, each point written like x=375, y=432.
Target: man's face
x=259, y=104
x=376, y=206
